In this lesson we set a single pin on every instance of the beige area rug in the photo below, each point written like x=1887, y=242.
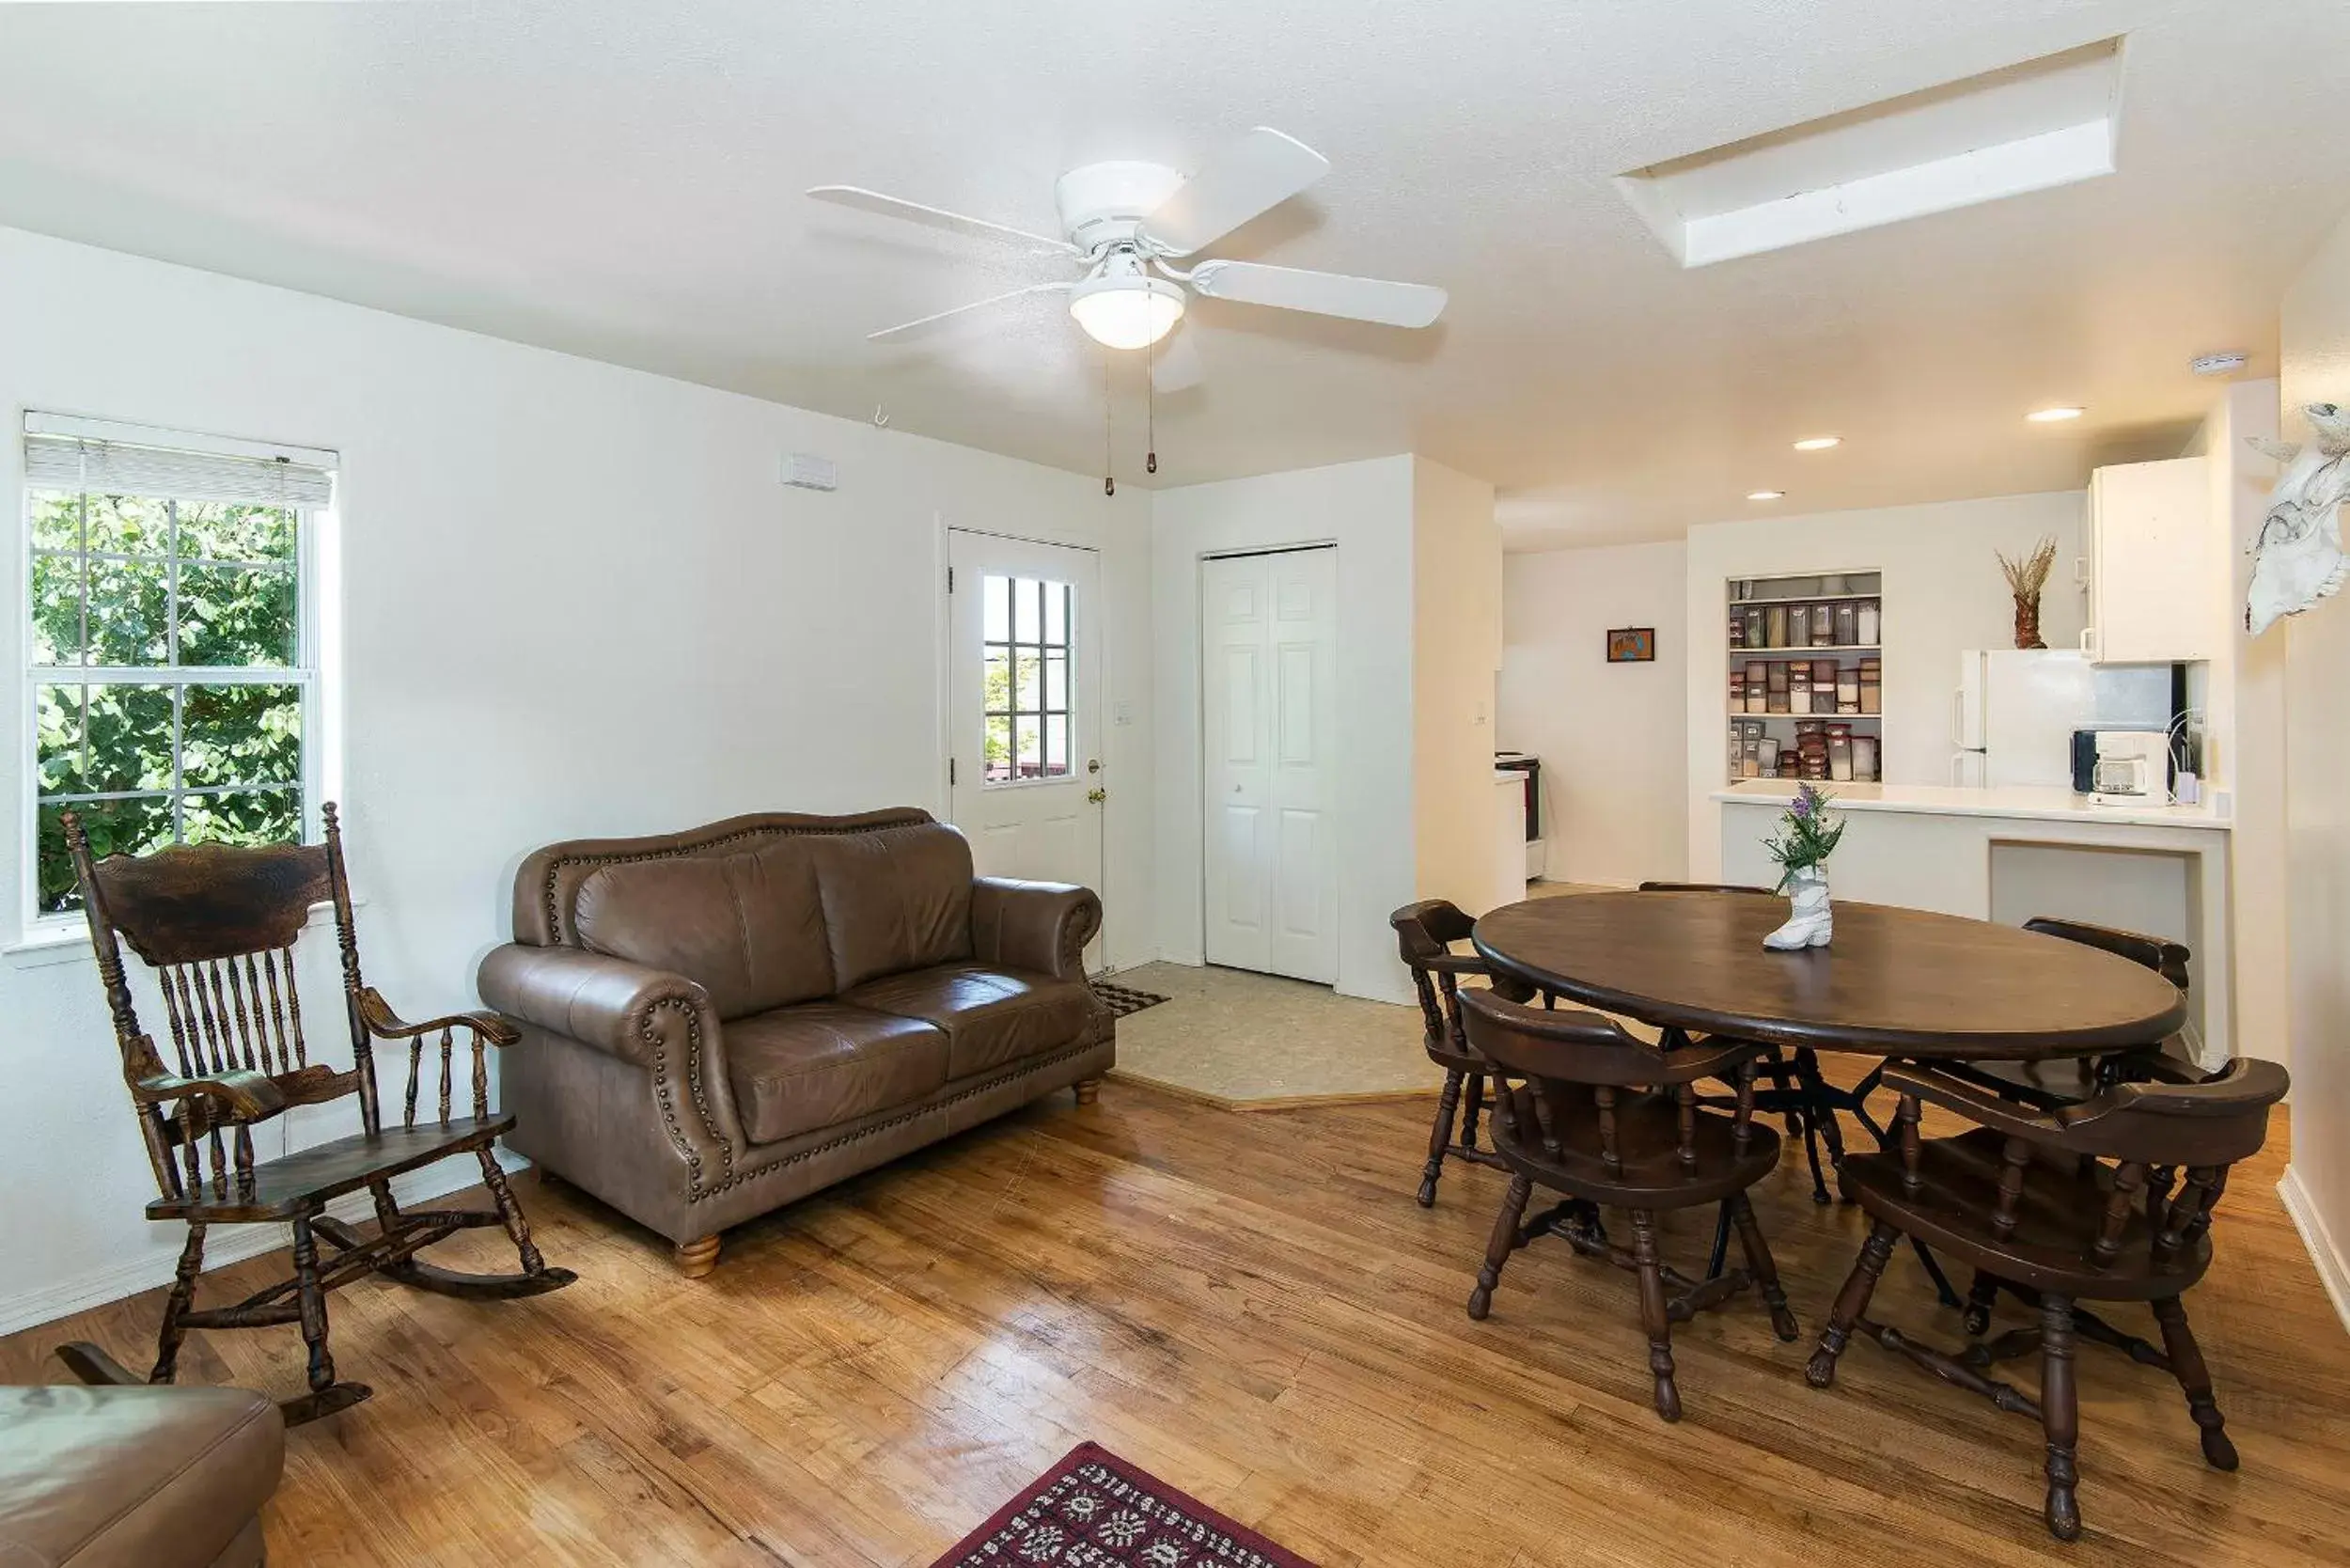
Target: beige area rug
x=1249, y=1042
x=1260, y=1043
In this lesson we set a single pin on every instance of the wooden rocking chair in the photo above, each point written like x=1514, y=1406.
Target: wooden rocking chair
x=218, y=925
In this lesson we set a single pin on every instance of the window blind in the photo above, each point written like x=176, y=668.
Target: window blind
x=122, y=468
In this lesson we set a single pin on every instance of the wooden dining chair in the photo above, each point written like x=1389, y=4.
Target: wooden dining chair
x=1584, y=1109
x=2079, y=1204
x=1425, y=934
x=2070, y=1080
x=217, y=926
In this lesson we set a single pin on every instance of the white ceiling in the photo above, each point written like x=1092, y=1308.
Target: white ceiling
x=622, y=180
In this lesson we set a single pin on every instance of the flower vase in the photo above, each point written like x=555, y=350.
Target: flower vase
x=1811, y=920
x=2027, y=623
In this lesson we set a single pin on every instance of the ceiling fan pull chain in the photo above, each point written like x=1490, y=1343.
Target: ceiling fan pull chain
x=1151, y=407
x=1109, y=481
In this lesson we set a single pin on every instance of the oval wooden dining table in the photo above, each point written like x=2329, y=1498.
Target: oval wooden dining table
x=1895, y=982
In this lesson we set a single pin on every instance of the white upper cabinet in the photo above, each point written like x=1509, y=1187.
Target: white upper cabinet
x=2153, y=595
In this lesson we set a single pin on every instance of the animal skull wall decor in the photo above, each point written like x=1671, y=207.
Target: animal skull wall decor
x=2298, y=557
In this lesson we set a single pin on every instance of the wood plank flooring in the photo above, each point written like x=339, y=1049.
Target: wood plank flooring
x=1251, y=1307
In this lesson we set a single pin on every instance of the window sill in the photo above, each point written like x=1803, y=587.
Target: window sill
x=71, y=945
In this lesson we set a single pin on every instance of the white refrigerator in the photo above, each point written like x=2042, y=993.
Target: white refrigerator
x=2013, y=714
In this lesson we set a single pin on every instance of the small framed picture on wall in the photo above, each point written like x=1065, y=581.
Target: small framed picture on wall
x=1632, y=645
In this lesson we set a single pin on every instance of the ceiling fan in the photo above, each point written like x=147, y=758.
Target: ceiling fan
x=1128, y=223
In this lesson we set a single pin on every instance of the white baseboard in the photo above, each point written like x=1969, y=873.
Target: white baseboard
x=225, y=1246
x=2333, y=1271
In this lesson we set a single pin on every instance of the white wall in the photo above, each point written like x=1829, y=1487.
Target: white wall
x=577, y=600
x=1456, y=650
x=2316, y=342
x=1614, y=739
x=1943, y=594
x=2246, y=721
x=1366, y=510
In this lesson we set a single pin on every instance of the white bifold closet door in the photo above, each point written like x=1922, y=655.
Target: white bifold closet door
x=1268, y=665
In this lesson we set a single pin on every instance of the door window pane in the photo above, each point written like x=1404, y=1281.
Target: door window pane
x=1027, y=629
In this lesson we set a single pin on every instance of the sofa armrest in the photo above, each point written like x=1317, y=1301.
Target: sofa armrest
x=1039, y=926
x=608, y=1003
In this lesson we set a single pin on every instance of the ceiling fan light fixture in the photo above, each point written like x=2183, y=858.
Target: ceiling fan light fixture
x=1126, y=312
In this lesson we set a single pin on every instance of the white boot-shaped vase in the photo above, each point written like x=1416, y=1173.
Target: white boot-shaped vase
x=1811, y=922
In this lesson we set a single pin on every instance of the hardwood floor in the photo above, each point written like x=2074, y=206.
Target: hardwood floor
x=1251, y=1307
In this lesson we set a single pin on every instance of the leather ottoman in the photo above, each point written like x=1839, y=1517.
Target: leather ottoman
x=135, y=1477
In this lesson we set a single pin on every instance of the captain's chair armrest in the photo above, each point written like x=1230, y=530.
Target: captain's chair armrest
x=1039, y=926
x=608, y=1003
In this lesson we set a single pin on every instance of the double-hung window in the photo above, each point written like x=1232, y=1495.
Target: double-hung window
x=171, y=666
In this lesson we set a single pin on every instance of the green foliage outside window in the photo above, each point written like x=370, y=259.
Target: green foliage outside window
x=159, y=595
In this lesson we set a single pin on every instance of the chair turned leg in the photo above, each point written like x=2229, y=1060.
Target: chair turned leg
x=509, y=1212
x=1981, y=1298
x=1440, y=1137
x=1850, y=1302
x=2060, y=1414
x=311, y=1301
x=1653, y=1315
x=1819, y=1114
x=176, y=1305
x=1765, y=1271
x=1089, y=1091
x=1474, y=1086
x=2187, y=1365
x=1504, y=1242
x=696, y=1258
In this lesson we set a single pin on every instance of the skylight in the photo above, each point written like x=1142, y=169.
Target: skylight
x=2030, y=127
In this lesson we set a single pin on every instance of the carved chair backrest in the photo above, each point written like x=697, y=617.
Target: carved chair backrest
x=1552, y=1049
x=1424, y=935
x=218, y=926
x=2147, y=1132
x=2167, y=958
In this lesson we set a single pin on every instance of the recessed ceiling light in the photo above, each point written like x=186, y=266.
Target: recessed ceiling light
x=2226, y=363
x=1766, y=496
x=2054, y=416
x=1818, y=443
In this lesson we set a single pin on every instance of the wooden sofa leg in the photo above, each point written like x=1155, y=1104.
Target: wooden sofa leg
x=696, y=1258
x=1089, y=1091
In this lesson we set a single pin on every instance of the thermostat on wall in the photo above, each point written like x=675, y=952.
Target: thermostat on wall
x=808, y=472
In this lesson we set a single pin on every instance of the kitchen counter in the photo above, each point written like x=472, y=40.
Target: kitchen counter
x=2011, y=854
x=2016, y=801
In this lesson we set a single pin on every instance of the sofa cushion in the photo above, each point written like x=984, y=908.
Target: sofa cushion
x=132, y=1478
x=991, y=1015
x=748, y=928
x=894, y=900
x=797, y=1069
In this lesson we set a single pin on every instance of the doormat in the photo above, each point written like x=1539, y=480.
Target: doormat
x=1093, y=1510
x=1122, y=1000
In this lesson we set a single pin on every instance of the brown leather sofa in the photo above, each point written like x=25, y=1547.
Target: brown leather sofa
x=135, y=1477
x=717, y=1022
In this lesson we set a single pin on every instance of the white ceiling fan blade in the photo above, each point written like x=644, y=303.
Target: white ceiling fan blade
x=904, y=329
x=1262, y=170
x=1175, y=364
x=935, y=217
x=1360, y=299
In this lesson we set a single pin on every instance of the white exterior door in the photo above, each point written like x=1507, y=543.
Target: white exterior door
x=1024, y=710
x=1268, y=650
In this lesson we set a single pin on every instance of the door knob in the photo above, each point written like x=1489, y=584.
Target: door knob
x=1097, y=796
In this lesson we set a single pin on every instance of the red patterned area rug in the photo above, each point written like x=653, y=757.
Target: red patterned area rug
x=1093, y=1510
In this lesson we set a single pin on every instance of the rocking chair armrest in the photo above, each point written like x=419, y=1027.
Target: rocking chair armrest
x=246, y=1096
x=386, y=1025
x=608, y=1003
